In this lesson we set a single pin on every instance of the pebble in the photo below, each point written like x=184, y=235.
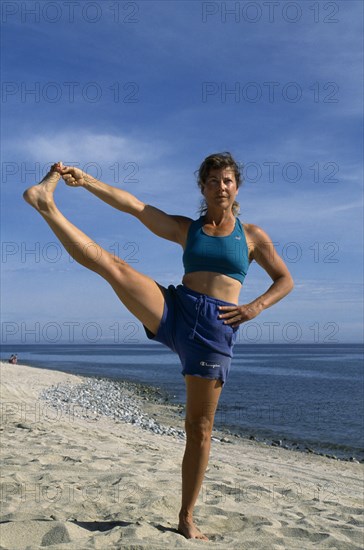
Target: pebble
x=100, y=397
x=123, y=401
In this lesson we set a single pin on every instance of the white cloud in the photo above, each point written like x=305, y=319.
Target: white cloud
x=85, y=146
x=301, y=208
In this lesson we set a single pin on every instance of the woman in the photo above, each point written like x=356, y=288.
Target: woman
x=198, y=319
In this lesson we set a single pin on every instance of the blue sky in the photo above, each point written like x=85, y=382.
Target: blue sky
x=139, y=93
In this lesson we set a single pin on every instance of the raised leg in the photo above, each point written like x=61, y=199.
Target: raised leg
x=140, y=294
x=202, y=400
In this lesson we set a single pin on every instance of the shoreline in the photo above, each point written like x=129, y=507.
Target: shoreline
x=68, y=482
x=158, y=404
x=153, y=394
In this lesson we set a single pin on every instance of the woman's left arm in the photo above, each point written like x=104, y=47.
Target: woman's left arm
x=265, y=254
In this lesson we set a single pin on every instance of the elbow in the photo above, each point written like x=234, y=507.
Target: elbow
x=135, y=207
x=290, y=284
x=286, y=282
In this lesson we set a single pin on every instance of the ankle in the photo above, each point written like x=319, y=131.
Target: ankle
x=185, y=515
x=47, y=209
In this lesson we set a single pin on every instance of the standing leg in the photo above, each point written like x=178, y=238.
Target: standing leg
x=202, y=399
x=143, y=297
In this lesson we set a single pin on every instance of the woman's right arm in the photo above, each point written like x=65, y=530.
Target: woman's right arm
x=170, y=227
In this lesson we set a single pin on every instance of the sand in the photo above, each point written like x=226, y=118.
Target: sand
x=73, y=483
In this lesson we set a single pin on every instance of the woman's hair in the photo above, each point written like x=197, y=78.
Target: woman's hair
x=213, y=162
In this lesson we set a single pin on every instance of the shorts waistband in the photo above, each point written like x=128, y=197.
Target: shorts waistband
x=208, y=298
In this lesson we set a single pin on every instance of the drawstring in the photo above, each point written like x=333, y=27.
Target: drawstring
x=201, y=302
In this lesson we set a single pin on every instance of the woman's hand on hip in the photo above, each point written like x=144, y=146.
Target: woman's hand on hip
x=235, y=315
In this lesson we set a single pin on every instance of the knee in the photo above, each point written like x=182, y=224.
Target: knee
x=199, y=430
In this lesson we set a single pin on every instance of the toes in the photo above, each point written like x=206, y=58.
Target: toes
x=57, y=167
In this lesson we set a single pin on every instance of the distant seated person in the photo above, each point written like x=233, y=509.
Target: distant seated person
x=13, y=359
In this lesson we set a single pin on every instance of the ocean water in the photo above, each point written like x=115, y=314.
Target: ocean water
x=309, y=395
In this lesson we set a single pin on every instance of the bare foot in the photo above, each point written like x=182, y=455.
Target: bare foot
x=187, y=528
x=40, y=196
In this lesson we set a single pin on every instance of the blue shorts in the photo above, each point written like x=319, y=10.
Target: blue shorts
x=191, y=328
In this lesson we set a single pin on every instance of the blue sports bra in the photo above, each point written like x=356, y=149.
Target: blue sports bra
x=227, y=255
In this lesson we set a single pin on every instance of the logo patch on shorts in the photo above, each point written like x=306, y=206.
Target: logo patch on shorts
x=207, y=364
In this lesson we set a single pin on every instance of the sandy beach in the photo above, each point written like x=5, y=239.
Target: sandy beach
x=76, y=482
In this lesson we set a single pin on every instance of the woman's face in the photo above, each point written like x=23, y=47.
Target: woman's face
x=220, y=188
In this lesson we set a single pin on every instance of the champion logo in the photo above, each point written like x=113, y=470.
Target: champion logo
x=206, y=364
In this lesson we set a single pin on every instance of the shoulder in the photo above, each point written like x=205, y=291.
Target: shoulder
x=183, y=220
x=184, y=224
x=256, y=234
x=256, y=238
